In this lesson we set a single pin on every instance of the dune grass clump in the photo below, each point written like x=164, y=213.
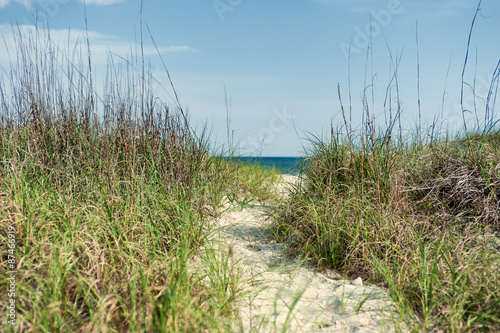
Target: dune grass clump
x=254, y=182
x=418, y=216
x=419, y=220
x=460, y=179
x=109, y=195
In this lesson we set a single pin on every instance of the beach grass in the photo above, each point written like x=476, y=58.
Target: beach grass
x=420, y=217
x=416, y=213
x=108, y=198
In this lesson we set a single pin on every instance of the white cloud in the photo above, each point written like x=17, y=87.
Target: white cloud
x=101, y=45
x=170, y=49
x=102, y=2
x=25, y=3
x=28, y=3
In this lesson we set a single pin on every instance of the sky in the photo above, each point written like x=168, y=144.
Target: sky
x=274, y=66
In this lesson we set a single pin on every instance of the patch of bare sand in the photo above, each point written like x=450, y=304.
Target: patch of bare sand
x=283, y=294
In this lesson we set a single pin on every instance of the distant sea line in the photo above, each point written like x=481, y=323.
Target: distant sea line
x=285, y=165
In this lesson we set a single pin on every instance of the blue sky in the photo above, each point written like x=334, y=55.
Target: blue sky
x=280, y=61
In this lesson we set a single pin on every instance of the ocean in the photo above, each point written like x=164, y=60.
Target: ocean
x=285, y=165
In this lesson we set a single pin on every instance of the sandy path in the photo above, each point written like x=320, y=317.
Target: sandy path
x=283, y=294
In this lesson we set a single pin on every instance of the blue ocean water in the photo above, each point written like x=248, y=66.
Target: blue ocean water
x=285, y=165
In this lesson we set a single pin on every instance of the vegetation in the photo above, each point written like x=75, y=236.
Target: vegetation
x=419, y=221
x=110, y=196
x=418, y=216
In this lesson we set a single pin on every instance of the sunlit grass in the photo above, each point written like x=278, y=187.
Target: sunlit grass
x=418, y=219
x=110, y=205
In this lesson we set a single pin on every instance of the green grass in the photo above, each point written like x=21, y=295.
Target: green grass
x=413, y=219
x=254, y=183
x=418, y=215
x=111, y=197
x=109, y=213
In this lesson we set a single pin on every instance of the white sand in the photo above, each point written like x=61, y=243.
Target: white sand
x=270, y=282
